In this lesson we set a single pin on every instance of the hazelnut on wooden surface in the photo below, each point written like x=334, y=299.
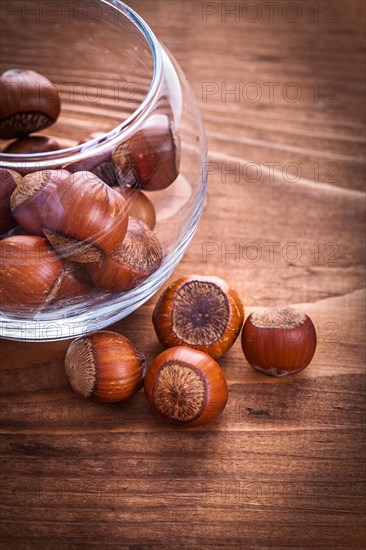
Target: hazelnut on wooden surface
x=105, y=366
x=279, y=341
x=186, y=386
x=150, y=158
x=84, y=219
x=29, y=103
x=29, y=270
x=28, y=199
x=8, y=183
x=202, y=312
x=32, y=145
x=133, y=261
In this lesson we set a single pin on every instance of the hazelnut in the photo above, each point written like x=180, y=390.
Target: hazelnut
x=29, y=269
x=139, y=205
x=29, y=103
x=186, y=386
x=73, y=284
x=133, y=261
x=279, y=341
x=150, y=158
x=84, y=219
x=8, y=183
x=105, y=171
x=105, y=367
x=101, y=165
x=32, y=145
x=28, y=199
x=202, y=312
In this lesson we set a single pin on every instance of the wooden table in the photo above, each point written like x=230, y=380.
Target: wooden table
x=280, y=89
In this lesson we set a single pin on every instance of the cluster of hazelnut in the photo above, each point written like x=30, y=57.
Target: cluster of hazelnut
x=87, y=226
x=197, y=318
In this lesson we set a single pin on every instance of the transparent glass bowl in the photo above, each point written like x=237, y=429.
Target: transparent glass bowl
x=113, y=75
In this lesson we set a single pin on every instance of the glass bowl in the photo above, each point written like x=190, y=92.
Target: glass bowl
x=118, y=86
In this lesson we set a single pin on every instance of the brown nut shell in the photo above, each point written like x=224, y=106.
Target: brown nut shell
x=186, y=386
x=133, y=261
x=106, y=172
x=139, y=205
x=84, y=219
x=29, y=269
x=279, y=341
x=29, y=103
x=74, y=284
x=105, y=367
x=150, y=158
x=31, y=145
x=8, y=183
x=100, y=165
x=201, y=312
x=28, y=199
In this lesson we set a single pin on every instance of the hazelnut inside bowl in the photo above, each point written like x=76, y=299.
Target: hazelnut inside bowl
x=128, y=128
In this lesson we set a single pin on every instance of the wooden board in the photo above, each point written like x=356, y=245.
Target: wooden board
x=284, y=465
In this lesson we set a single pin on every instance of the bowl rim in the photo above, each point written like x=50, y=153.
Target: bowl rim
x=107, y=142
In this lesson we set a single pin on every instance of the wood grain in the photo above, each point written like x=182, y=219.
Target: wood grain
x=283, y=467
